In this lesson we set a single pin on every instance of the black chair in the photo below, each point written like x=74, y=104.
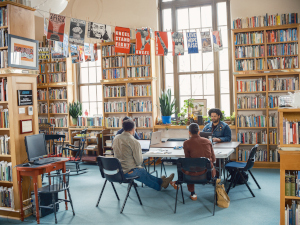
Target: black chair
x=201, y=166
x=111, y=170
x=238, y=167
x=57, y=183
x=163, y=160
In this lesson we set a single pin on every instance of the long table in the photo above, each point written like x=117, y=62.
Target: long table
x=172, y=144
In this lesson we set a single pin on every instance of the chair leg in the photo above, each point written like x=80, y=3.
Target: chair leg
x=101, y=193
x=130, y=185
x=181, y=193
x=54, y=206
x=165, y=170
x=228, y=189
x=137, y=194
x=161, y=166
x=254, y=179
x=115, y=190
x=215, y=198
x=176, y=198
x=71, y=202
x=246, y=183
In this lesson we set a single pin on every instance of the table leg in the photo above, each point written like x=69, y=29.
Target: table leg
x=224, y=171
x=35, y=187
x=220, y=169
x=154, y=165
x=64, y=170
x=20, y=193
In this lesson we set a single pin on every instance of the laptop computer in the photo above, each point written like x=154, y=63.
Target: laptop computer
x=205, y=134
x=156, y=138
x=145, y=145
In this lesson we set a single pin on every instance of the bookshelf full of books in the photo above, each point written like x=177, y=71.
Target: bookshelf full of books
x=129, y=89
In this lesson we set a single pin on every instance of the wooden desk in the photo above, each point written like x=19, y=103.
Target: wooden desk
x=34, y=171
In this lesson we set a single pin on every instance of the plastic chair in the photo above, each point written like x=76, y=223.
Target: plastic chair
x=201, y=166
x=111, y=170
x=238, y=167
x=57, y=183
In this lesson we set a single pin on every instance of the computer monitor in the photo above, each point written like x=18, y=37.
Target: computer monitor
x=156, y=138
x=35, y=146
x=205, y=134
x=145, y=144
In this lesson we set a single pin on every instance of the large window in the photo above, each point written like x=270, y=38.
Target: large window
x=90, y=87
x=202, y=75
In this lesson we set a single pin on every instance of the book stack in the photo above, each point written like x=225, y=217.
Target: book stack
x=41, y=79
x=115, y=106
x=42, y=94
x=5, y=171
x=252, y=137
x=273, y=36
x=292, y=213
x=139, y=106
x=251, y=102
x=273, y=101
x=57, y=67
x=273, y=120
x=4, y=145
x=42, y=68
x=57, y=77
x=4, y=121
x=251, y=85
x=113, y=62
x=283, y=63
x=59, y=107
x=113, y=73
x=249, y=38
x=249, y=51
x=3, y=88
x=292, y=183
x=144, y=135
x=59, y=121
x=7, y=197
x=274, y=156
x=251, y=121
x=113, y=122
x=283, y=84
x=291, y=132
x=43, y=120
x=114, y=91
x=282, y=49
x=96, y=121
x=109, y=50
x=42, y=108
x=139, y=90
x=57, y=93
x=143, y=121
x=137, y=60
x=249, y=64
x=273, y=138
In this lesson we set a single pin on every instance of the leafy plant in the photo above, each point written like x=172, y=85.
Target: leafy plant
x=167, y=106
x=75, y=109
x=232, y=117
x=188, y=103
x=223, y=115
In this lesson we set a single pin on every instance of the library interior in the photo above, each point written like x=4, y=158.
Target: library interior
x=188, y=108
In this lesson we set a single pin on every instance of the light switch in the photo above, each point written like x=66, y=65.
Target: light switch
x=21, y=110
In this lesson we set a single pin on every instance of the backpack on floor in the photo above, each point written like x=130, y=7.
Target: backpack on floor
x=223, y=200
x=238, y=176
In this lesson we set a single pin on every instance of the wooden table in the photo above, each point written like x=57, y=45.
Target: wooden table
x=172, y=144
x=34, y=171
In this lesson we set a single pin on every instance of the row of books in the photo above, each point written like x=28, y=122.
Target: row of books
x=113, y=62
x=143, y=121
x=292, y=183
x=4, y=145
x=283, y=63
x=283, y=84
x=114, y=91
x=139, y=106
x=113, y=121
x=249, y=64
x=267, y=20
x=139, y=90
x=5, y=171
x=4, y=118
x=7, y=197
x=59, y=107
x=292, y=213
x=274, y=155
x=273, y=101
x=251, y=121
x=138, y=71
x=249, y=51
x=41, y=79
x=113, y=73
x=249, y=38
x=3, y=17
x=58, y=93
x=4, y=59
x=282, y=49
x=251, y=102
x=4, y=37
x=62, y=132
x=42, y=94
x=42, y=68
x=42, y=108
x=43, y=120
x=273, y=36
x=57, y=67
x=96, y=121
x=132, y=49
x=136, y=60
x=144, y=135
x=57, y=77
x=115, y=106
x=291, y=132
x=273, y=138
x=260, y=155
x=59, y=121
x=109, y=51
x=251, y=137
x=273, y=120
x=3, y=88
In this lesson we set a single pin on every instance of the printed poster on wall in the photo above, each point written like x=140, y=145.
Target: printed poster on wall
x=217, y=40
x=44, y=53
x=122, y=40
x=161, y=43
x=206, y=42
x=81, y=53
x=142, y=37
x=56, y=27
x=57, y=50
x=178, y=44
x=99, y=31
x=66, y=46
x=77, y=32
x=88, y=52
x=95, y=53
x=74, y=53
x=192, y=43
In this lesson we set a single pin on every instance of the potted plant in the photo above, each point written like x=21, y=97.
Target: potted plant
x=75, y=110
x=167, y=106
x=232, y=118
x=188, y=104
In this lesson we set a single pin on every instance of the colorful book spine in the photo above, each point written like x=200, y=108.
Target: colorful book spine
x=252, y=137
x=251, y=85
x=251, y=102
x=139, y=90
x=249, y=64
x=115, y=106
x=57, y=93
x=113, y=73
x=114, y=91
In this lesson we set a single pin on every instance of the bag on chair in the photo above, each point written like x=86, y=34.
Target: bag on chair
x=223, y=200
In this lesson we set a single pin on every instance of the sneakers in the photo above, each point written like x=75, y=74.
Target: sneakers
x=193, y=197
x=167, y=180
x=174, y=185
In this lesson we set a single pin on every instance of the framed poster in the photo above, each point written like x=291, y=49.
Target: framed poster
x=25, y=97
x=23, y=52
x=200, y=107
x=25, y=126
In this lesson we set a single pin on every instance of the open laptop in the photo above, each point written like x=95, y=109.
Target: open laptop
x=156, y=138
x=206, y=135
x=145, y=145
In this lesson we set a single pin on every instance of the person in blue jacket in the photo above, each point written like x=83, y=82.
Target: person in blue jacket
x=220, y=130
x=136, y=136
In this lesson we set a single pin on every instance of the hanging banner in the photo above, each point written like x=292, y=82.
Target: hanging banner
x=56, y=27
x=77, y=32
x=192, y=43
x=161, y=43
x=88, y=52
x=99, y=31
x=142, y=37
x=46, y=23
x=74, y=53
x=178, y=44
x=95, y=53
x=206, y=42
x=66, y=46
x=44, y=53
x=81, y=53
x=57, y=50
x=122, y=40
x=217, y=40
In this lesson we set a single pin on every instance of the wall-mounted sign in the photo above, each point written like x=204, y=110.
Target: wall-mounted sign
x=25, y=97
x=25, y=126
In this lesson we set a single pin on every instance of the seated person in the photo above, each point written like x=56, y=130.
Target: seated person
x=128, y=150
x=220, y=130
x=197, y=147
x=136, y=136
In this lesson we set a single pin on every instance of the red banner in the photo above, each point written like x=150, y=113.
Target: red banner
x=122, y=40
x=56, y=27
x=161, y=43
x=142, y=42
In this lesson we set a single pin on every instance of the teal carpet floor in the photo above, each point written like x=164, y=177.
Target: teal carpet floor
x=158, y=207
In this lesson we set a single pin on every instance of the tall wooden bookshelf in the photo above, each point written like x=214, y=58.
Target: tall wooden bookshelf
x=127, y=81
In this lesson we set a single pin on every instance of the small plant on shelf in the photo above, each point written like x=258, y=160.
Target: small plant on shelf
x=75, y=110
x=188, y=104
x=232, y=118
x=167, y=106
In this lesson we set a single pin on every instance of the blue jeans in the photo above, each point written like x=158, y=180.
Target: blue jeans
x=145, y=177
